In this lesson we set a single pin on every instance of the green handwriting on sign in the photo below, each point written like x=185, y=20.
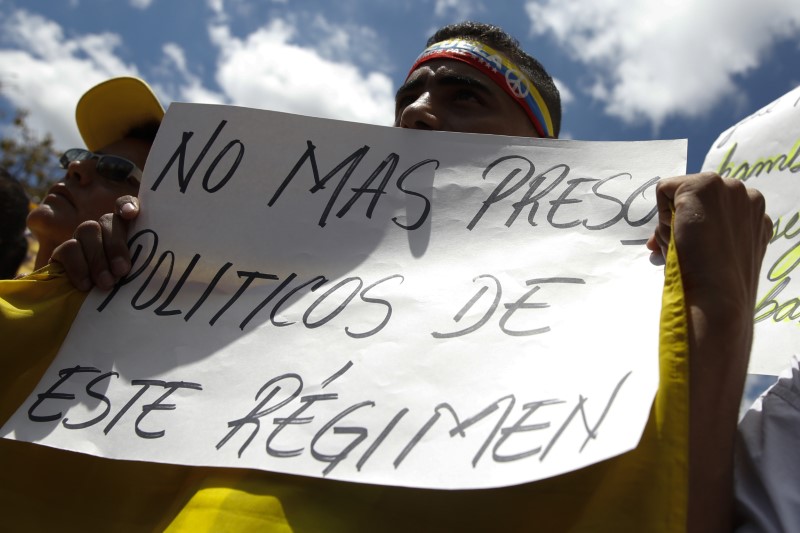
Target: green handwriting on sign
x=778, y=274
x=745, y=170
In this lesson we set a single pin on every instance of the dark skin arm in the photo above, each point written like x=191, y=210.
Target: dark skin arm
x=721, y=233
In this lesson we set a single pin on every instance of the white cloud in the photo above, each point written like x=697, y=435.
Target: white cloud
x=188, y=87
x=459, y=9
x=266, y=70
x=49, y=72
x=343, y=42
x=141, y=4
x=564, y=91
x=177, y=56
x=45, y=72
x=217, y=6
x=225, y=10
x=652, y=60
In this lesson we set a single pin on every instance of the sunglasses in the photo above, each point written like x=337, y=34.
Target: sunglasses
x=111, y=167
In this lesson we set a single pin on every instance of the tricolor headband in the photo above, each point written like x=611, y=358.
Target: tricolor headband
x=501, y=70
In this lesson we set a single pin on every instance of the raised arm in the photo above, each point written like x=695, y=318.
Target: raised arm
x=721, y=233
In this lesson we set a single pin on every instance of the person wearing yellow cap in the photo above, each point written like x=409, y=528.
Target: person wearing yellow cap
x=118, y=120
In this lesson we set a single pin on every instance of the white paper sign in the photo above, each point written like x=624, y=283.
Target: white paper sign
x=763, y=150
x=370, y=304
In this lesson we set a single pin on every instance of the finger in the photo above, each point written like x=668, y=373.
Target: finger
x=686, y=201
x=756, y=199
x=671, y=191
x=663, y=234
x=114, y=232
x=127, y=207
x=666, y=190
x=89, y=236
x=652, y=244
x=758, y=208
x=768, y=229
x=69, y=255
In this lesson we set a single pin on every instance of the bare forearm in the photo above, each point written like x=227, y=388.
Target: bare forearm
x=718, y=359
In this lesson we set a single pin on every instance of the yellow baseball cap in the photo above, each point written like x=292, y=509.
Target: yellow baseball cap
x=109, y=110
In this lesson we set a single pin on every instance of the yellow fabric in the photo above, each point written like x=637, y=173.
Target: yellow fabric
x=47, y=489
x=35, y=315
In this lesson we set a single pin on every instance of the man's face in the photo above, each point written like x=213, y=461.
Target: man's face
x=84, y=194
x=448, y=95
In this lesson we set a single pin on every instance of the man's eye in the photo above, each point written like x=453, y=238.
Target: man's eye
x=466, y=95
x=404, y=101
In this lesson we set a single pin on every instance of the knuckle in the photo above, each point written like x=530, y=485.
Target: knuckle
x=63, y=250
x=709, y=175
x=768, y=224
x=756, y=196
x=122, y=200
x=758, y=201
x=68, y=245
x=736, y=185
x=86, y=228
x=714, y=180
x=660, y=184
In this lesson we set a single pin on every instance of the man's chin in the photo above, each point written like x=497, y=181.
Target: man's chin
x=47, y=221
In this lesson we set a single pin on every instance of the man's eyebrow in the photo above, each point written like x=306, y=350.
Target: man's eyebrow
x=408, y=87
x=460, y=79
x=448, y=79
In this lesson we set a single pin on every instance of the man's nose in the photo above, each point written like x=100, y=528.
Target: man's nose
x=83, y=172
x=421, y=114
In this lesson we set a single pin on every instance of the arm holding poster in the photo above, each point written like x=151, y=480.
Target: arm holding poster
x=721, y=234
x=763, y=150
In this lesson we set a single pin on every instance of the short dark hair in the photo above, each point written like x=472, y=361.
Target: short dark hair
x=144, y=132
x=13, y=213
x=495, y=37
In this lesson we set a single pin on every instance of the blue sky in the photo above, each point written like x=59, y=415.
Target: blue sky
x=628, y=69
